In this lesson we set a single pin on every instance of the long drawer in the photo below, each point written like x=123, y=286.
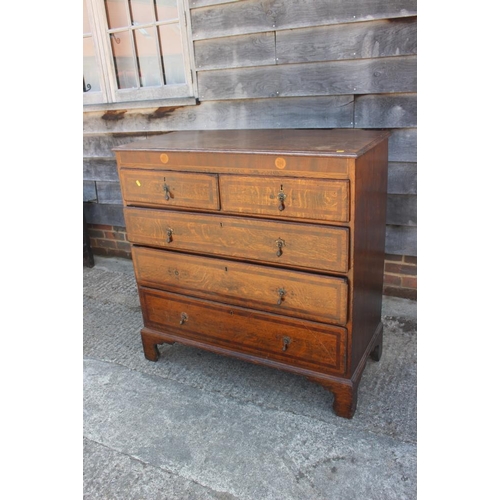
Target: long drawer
x=290, y=341
x=170, y=189
x=292, y=293
x=317, y=199
x=298, y=245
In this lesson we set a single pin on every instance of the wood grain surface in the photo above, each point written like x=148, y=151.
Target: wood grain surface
x=172, y=189
x=280, y=243
x=304, y=198
x=308, y=345
x=293, y=293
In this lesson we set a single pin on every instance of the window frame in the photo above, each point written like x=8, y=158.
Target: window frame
x=110, y=94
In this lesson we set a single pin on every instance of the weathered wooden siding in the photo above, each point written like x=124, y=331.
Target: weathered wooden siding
x=285, y=64
x=358, y=76
x=367, y=40
x=254, y=16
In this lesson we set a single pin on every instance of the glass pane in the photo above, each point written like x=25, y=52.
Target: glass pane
x=123, y=59
x=90, y=68
x=86, y=25
x=147, y=57
x=141, y=11
x=116, y=12
x=166, y=9
x=171, y=52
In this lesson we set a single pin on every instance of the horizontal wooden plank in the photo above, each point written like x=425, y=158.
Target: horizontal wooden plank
x=109, y=193
x=290, y=112
x=235, y=51
x=97, y=213
x=385, y=111
x=100, y=169
x=402, y=178
x=381, y=38
x=253, y=16
x=402, y=209
x=89, y=192
x=401, y=240
x=203, y=3
x=100, y=145
x=365, y=76
x=403, y=145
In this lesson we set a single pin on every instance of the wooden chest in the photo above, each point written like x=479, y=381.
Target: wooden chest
x=266, y=245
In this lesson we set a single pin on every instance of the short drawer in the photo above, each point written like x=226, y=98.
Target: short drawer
x=292, y=293
x=297, y=342
x=321, y=199
x=170, y=189
x=308, y=246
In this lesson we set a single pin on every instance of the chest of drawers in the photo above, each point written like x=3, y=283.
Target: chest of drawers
x=266, y=245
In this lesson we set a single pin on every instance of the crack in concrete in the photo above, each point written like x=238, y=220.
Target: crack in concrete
x=227, y=495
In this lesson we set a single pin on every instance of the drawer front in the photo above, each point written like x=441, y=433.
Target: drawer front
x=290, y=341
x=286, y=197
x=292, y=293
x=170, y=189
x=308, y=166
x=298, y=245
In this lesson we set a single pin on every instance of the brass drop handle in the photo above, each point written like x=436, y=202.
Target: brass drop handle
x=281, y=293
x=286, y=343
x=184, y=318
x=281, y=198
x=167, y=191
x=280, y=244
x=169, y=235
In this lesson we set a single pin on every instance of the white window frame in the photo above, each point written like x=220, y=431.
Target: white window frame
x=110, y=93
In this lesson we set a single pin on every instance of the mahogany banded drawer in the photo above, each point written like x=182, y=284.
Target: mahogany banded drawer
x=323, y=199
x=170, y=189
x=286, y=340
x=323, y=248
x=282, y=291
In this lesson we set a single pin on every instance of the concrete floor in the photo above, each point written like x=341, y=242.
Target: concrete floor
x=196, y=425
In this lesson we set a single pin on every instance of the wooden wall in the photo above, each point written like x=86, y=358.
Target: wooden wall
x=288, y=64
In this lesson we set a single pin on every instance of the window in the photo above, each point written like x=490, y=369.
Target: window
x=135, y=50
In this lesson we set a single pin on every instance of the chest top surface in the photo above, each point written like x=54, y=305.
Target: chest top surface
x=342, y=143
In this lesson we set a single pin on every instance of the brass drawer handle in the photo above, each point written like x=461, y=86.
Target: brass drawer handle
x=169, y=235
x=167, y=191
x=280, y=244
x=286, y=343
x=281, y=198
x=281, y=293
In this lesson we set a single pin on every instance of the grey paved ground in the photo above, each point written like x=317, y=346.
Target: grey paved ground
x=196, y=425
